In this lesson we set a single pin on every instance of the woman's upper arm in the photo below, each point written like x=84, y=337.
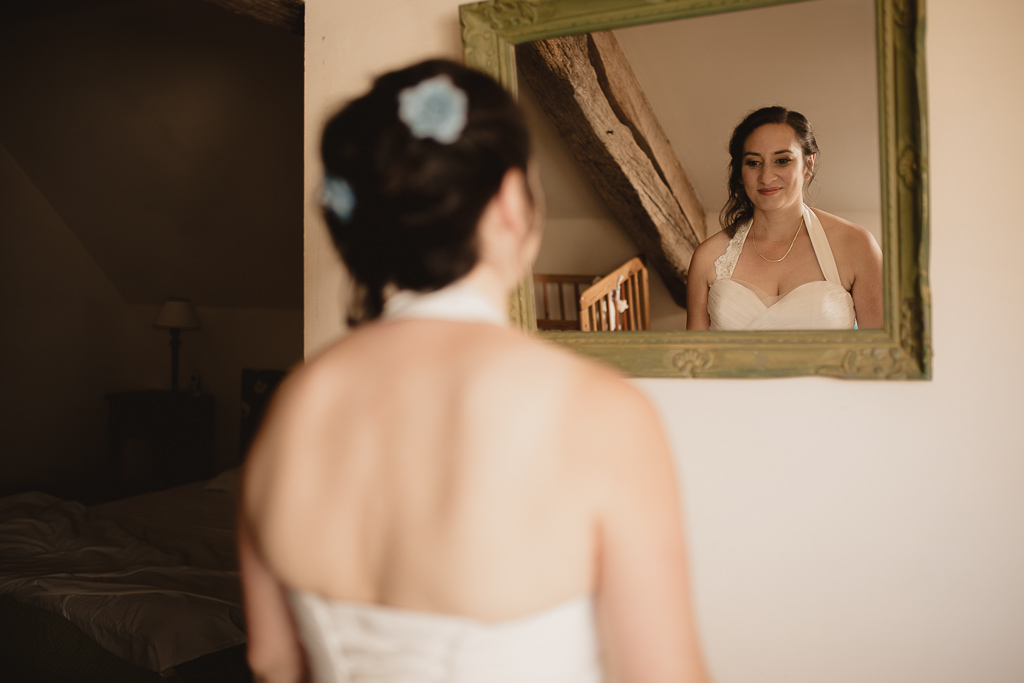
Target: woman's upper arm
x=697, y=281
x=643, y=587
x=867, y=283
x=860, y=265
x=274, y=652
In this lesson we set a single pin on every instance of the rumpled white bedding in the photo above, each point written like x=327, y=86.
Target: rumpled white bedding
x=152, y=579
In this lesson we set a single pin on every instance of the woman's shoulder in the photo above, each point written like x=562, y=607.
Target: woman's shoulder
x=555, y=374
x=521, y=367
x=317, y=374
x=702, y=263
x=842, y=233
x=506, y=354
x=854, y=247
x=316, y=385
x=549, y=358
x=602, y=415
x=714, y=246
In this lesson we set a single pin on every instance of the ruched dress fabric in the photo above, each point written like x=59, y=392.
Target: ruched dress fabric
x=349, y=642
x=820, y=305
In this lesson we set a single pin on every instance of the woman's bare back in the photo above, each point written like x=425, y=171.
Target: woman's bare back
x=436, y=466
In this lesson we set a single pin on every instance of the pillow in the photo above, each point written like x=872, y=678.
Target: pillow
x=225, y=481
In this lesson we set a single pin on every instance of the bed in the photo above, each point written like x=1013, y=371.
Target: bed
x=144, y=588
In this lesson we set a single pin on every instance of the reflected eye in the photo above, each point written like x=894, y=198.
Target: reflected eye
x=752, y=163
x=783, y=161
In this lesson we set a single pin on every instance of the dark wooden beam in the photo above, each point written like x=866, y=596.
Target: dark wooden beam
x=289, y=14
x=585, y=85
x=14, y=12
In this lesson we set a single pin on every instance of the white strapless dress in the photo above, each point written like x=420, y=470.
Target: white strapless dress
x=349, y=642
x=821, y=305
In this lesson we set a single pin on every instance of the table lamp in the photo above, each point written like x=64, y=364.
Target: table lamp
x=176, y=315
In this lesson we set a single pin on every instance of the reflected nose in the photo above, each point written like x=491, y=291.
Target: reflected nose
x=766, y=174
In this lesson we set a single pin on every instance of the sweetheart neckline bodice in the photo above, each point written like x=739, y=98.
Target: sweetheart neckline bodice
x=814, y=305
x=779, y=298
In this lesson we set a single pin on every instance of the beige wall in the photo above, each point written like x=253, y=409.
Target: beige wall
x=840, y=531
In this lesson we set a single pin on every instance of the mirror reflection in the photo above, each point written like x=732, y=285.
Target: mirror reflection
x=699, y=77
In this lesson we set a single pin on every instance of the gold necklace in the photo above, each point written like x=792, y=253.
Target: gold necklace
x=791, y=244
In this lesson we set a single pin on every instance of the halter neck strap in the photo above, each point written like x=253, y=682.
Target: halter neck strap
x=457, y=302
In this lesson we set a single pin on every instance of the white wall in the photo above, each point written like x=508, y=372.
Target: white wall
x=840, y=531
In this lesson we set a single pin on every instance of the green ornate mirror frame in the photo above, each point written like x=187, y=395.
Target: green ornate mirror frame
x=902, y=350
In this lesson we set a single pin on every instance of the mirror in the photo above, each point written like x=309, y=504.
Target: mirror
x=790, y=55
x=885, y=149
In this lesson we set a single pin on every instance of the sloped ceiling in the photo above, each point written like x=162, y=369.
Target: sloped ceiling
x=167, y=134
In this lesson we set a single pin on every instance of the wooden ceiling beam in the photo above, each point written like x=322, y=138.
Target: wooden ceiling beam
x=587, y=88
x=289, y=14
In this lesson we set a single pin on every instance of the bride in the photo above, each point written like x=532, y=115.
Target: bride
x=778, y=264
x=437, y=496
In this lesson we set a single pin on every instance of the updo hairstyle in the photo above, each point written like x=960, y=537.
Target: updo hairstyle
x=738, y=208
x=417, y=201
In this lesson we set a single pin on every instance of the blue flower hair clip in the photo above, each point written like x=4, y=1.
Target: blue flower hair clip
x=338, y=196
x=434, y=108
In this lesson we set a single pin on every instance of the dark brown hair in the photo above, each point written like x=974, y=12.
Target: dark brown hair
x=417, y=200
x=738, y=208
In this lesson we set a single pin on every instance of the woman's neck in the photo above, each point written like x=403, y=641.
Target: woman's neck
x=777, y=226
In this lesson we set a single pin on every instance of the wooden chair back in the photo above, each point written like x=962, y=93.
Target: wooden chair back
x=600, y=304
x=558, y=299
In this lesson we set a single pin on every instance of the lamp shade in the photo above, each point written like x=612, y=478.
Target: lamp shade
x=177, y=313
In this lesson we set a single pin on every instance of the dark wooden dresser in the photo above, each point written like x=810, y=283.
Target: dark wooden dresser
x=159, y=439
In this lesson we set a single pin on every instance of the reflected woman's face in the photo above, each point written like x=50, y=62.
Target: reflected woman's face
x=774, y=171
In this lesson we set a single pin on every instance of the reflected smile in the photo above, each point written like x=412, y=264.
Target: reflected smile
x=768, y=191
